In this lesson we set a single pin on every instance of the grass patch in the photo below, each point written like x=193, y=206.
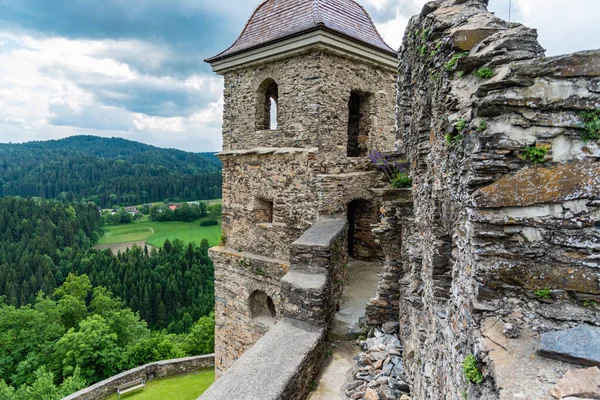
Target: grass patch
x=181, y=387
x=543, y=294
x=155, y=233
x=451, y=64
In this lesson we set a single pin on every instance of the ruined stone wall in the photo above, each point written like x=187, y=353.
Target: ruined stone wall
x=505, y=201
x=283, y=363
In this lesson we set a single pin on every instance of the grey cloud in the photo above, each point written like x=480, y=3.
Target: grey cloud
x=93, y=117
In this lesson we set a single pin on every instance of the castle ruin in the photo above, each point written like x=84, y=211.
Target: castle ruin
x=501, y=230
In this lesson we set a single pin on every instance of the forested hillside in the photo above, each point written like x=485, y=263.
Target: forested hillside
x=42, y=242
x=81, y=335
x=107, y=172
x=61, y=327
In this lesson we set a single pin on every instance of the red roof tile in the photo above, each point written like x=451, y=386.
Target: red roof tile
x=277, y=19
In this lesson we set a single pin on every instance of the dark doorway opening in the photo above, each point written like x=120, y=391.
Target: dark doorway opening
x=361, y=243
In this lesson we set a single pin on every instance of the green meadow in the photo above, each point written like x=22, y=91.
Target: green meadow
x=182, y=387
x=155, y=233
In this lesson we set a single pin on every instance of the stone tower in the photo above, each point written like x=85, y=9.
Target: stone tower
x=309, y=92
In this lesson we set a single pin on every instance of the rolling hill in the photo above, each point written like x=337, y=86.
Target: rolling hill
x=107, y=171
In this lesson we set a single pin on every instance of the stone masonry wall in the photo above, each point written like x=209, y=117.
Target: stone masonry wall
x=498, y=231
x=300, y=171
x=238, y=275
x=283, y=363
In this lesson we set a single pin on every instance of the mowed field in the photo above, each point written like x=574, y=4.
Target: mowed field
x=183, y=387
x=155, y=233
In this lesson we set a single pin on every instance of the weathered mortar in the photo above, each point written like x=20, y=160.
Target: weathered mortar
x=489, y=225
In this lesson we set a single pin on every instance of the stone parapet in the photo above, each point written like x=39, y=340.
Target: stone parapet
x=240, y=275
x=160, y=369
x=281, y=365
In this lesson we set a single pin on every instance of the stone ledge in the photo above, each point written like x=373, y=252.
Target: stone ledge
x=322, y=233
x=227, y=251
x=280, y=365
x=268, y=150
x=305, y=281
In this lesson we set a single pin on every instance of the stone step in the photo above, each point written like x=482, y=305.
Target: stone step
x=306, y=296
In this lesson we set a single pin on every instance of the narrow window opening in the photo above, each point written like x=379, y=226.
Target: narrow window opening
x=267, y=99
x=358, y=124
x=273, y=118
x=263, y=209
x=597, y=226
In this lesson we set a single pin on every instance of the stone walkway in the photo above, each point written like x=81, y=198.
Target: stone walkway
x=362, y=285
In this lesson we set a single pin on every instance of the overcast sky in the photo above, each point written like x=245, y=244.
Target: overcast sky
x=133, y=68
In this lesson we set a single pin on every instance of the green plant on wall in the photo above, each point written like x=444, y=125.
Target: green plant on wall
x=543, y=294
x=484, y=73
x=451, y=64
x=453, y=140
x=482, y=125
x=590, y=303
x=591, y=124
x=472, y=372
x=535, y=154
x=460, y=125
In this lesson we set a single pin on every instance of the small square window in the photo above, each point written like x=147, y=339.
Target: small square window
x=263, y=211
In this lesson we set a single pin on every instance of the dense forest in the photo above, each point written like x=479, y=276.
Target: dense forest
x=81, y=335
x=108, y=172
x=61, y=326
x=41, y=242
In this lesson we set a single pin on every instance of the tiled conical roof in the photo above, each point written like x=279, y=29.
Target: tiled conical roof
x=278, y=19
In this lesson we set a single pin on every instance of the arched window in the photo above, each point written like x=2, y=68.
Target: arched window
x=262, y=308
x=266, y=113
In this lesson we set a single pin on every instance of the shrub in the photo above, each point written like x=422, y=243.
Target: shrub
x=209, y=222
x=535, y=154
x=401, y=180
x=484, y=73
x=461, y=124
x=395, y=171
x=471, y=370
x=222, y=240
